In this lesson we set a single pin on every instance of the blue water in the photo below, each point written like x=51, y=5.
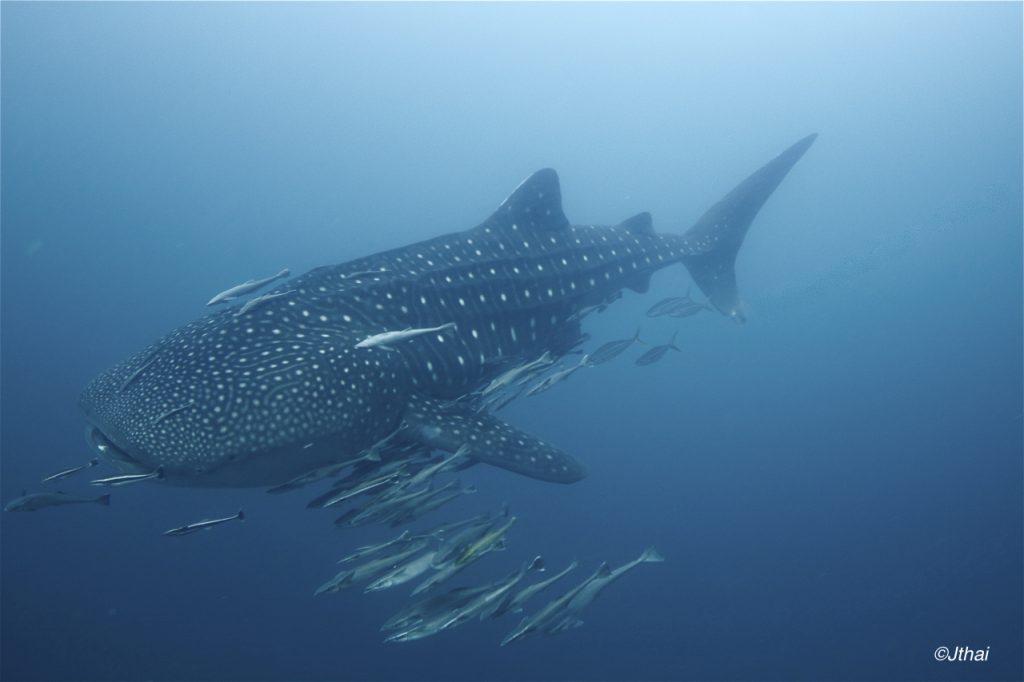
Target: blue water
x=836, y=485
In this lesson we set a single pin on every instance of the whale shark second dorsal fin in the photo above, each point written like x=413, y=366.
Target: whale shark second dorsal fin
x=641, y=223
x=536, y=204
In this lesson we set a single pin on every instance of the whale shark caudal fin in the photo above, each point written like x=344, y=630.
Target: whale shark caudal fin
x=447, y=426
x=724, y=226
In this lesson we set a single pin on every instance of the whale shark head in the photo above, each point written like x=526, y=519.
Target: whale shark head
x=237, y=401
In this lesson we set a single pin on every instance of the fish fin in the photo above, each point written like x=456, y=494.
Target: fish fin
x=725, y=225
x=159, y=473
x=445, y=427
x=104, y=500
x=672, y=343
x=241, y=515
x=604, y=570
x=537, y=564
x=641, y=223
x=651, y=554
x=535, y=205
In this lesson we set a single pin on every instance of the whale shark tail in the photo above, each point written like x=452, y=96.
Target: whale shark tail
x=719, y=233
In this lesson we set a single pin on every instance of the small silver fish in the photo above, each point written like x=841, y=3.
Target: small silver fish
x=612, y=349
x=246, y=287
x=128, y=479
x=204, y=525
x=69, y=472
x=658, y=352
x=663, y=306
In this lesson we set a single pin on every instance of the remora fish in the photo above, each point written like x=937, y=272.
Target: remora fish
x=606, y=577
x=428, y=616
x=658, y=352
x=435, y=500
x=428, y=472
x=322, y=473
x=552, y=613
x=559, y=376
x=70, y=472
x=370, y=570
x=403, y=574
x=471, y=603
x=260, y=300
x=488, y=543
x=516, y=373
x=431, y=606
x=205, y=524
x=245, y=288
x=511, y=285
x=37, y=501
x=128, y=479
x=359, y=489
x=370, y=550
x=516, y=602
x=386, y=339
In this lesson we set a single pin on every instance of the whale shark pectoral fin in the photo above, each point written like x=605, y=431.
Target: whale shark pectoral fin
x=449, y=427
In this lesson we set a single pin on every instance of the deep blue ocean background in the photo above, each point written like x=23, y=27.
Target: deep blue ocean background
x=836, y=485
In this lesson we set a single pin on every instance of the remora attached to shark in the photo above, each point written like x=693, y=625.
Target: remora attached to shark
x=260, y=398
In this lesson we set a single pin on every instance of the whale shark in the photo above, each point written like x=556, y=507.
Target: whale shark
x=261, y=396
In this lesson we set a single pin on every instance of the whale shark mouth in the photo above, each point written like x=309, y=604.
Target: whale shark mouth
x=111, y=453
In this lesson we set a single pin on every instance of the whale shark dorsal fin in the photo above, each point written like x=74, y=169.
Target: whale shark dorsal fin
x=641, y=223
x=535, y=205
x=448, y=427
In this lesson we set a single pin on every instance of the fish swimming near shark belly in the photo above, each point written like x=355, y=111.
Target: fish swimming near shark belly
x=261, y=398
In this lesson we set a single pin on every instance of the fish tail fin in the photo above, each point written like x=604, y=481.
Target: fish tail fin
x=651, y=555
x=537, y=564
x=241, y=515
x=716, y=238
x=159, y=473
x=104, y=500
x=672, y=343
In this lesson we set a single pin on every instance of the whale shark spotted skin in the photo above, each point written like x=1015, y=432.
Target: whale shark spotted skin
x=260, y=398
